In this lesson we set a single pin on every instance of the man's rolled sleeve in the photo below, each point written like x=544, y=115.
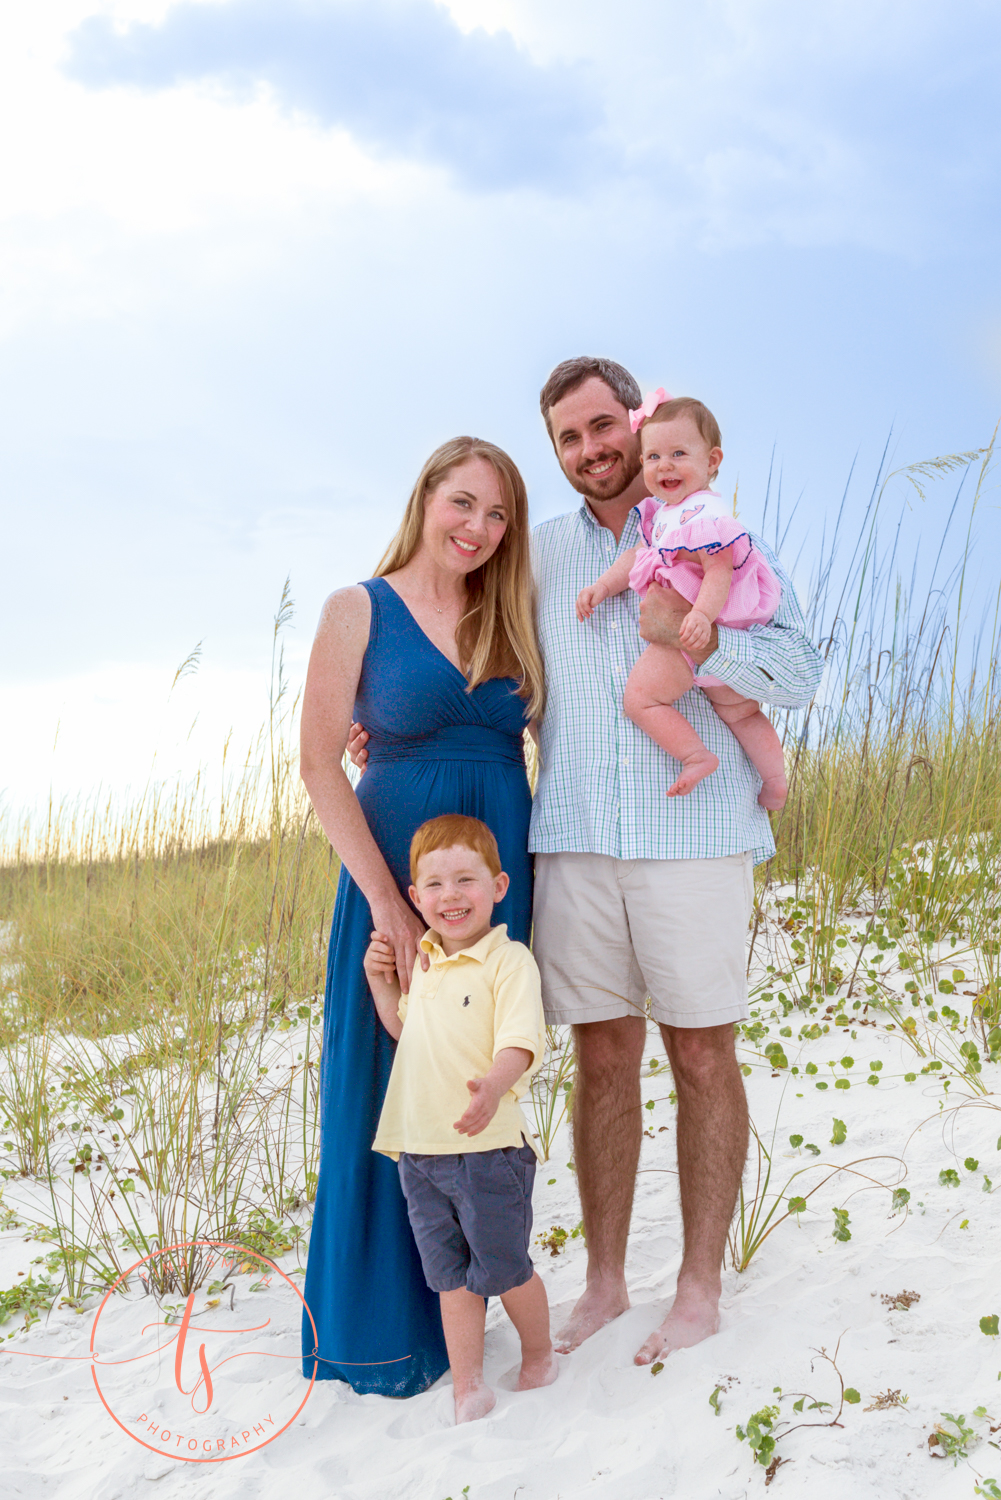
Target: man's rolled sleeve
x=774, y=663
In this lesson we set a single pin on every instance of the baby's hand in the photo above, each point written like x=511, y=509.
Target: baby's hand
x=695, y=630
x=482, y=1107
x=380, y=961
x=589, y=598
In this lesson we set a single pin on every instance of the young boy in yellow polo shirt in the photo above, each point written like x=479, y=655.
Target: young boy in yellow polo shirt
x=471, y=1034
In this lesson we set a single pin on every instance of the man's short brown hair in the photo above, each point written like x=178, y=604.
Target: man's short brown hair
x=573, y=373
x=450, y=830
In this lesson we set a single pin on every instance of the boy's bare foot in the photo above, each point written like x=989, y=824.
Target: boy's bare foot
x=773, y=793
x=695, y=768
x=597, y=1306
x=474, y=1403
x=540, y=1370
x=694, y=1316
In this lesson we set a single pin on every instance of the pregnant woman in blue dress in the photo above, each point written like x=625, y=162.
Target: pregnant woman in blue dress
x=436, y=657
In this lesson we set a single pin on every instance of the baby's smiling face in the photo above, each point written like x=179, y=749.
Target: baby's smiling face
x=677, y=460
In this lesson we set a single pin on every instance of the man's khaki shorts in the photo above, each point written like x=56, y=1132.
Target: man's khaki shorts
x=611, y=933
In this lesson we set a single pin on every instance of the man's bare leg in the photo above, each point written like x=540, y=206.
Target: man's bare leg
x=606, y=1141
x=712, y=1148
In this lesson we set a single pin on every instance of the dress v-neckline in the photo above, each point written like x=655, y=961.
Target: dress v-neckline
x=420, y=628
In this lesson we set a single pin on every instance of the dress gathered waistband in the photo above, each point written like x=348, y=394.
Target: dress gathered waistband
x=473, y=742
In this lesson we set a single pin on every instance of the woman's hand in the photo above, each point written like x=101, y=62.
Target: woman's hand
x=401, y=931
x=357, y=740
x=695, y=630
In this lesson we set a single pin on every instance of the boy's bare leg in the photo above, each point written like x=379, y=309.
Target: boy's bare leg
x=756, y=734
x=712, y=1147
x=606, y=1145
x=659, y=677
x=528, y=1308
x=463, y=1316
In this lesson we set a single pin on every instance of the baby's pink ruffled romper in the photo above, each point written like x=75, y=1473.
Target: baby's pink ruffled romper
x=702, y=521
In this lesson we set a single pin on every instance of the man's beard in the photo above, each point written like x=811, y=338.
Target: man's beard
x=624, y=476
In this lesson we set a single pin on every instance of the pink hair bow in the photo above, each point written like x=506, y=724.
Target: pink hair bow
x=651, y=401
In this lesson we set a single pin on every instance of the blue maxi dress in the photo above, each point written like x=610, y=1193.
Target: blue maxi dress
x=434, y=748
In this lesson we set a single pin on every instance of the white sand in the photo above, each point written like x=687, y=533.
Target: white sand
x=608, y=1430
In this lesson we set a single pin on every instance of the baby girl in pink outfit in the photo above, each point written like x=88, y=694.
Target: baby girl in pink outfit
x=695, y=545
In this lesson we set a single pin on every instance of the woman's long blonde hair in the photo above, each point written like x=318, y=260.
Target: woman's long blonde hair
x=496, y=635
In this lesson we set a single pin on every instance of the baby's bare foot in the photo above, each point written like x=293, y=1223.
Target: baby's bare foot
x=474, y=1403
x=541, y=1369
x=773, y=793
x=693, y=1317
x=695, y=768
x=597, y=1306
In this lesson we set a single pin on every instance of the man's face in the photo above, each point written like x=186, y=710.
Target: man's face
x=597, y=452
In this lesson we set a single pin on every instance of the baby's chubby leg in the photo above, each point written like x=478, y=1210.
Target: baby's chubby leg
x=463, y=1316
x=528, y=1308
x=659, y=677
x=756, y=734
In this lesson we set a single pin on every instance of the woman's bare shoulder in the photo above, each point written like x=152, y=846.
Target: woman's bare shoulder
x=346, y=612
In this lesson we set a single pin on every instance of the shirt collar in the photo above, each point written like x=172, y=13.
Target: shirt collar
x=590, y=519
x=431, y=944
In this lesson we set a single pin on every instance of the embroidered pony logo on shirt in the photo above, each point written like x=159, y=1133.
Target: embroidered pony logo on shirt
x=466, y=1001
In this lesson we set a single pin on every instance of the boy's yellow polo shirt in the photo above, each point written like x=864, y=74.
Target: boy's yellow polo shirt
x=458, y=1016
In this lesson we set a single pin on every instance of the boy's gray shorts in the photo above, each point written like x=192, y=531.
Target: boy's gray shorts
x=471, y=1214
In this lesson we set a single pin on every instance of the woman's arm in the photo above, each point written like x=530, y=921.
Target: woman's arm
x=328, y=700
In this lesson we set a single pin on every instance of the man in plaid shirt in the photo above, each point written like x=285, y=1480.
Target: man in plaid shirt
x=639, y=895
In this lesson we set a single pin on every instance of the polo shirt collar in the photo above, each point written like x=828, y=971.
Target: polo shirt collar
x=431, y=944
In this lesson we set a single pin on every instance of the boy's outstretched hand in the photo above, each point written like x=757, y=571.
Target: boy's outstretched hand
x=482, y=1106
x=509, y=1064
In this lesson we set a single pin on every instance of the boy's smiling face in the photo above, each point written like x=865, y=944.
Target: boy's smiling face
x=456, y=894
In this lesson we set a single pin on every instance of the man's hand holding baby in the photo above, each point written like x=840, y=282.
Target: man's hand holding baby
x=509, y=1064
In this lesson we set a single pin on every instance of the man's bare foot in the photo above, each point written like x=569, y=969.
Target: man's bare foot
x=773, y=793
x=693, y=1317
x=541, y=1370
x=597, y=1306
x=474, y=1403
x=695, y=769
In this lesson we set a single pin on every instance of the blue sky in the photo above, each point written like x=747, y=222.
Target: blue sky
x=260, y=256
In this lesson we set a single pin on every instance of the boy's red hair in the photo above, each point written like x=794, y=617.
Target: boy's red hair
x=450, y=830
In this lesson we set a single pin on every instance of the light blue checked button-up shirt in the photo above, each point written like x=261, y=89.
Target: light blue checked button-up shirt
x=602, y=781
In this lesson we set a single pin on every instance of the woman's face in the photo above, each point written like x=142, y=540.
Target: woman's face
x=465, y=517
